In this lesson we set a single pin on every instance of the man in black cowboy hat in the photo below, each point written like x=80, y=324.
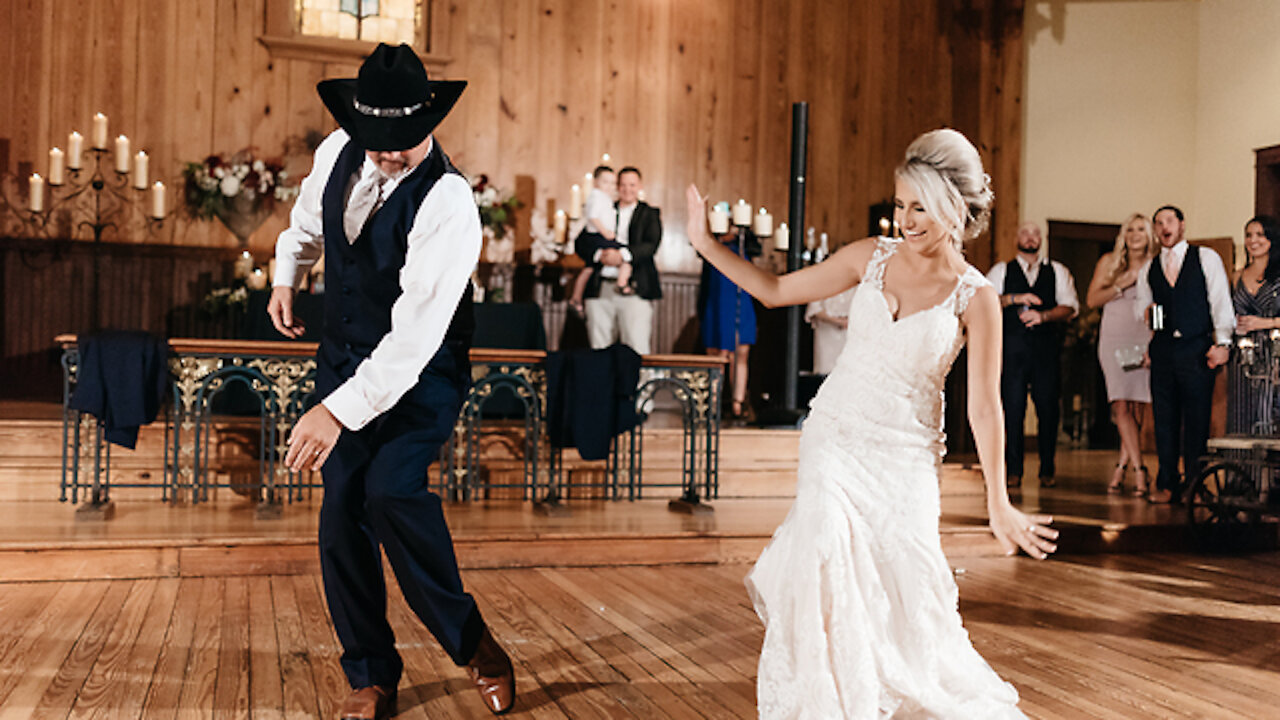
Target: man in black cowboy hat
x=400, y=235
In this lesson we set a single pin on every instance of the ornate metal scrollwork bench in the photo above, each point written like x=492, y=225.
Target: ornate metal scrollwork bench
x=281, y=375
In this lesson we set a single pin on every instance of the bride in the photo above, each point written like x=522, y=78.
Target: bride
x=857, y=598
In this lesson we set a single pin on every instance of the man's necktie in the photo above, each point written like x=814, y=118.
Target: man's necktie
x=1170, y=273
x=363, y=201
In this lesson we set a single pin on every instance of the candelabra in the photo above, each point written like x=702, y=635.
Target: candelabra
x=84, y=201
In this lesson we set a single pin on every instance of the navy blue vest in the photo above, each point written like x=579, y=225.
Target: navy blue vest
x=362, y=279
x=1186, y=304
x=1016, y=334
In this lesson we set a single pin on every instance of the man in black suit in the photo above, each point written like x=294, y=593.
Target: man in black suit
x=613, y=314
x=1186, y=288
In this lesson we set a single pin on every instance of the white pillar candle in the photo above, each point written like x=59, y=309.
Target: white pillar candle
x=561, y=226
x=575, y=202
x=140, y=165
x=100, y=131
x=782, y=238
x=718, y=220
x=243, y=265
x=57, y=160
x=742, y=213
x=75, y=148
x=764, y=223
x=604, y=159
x=122, y=155
x=257, y=280
x=884, y=227
x=157, y=200
x=36, y=193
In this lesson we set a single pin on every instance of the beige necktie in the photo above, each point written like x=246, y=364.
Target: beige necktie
x=363, y=201
x=1170, y=273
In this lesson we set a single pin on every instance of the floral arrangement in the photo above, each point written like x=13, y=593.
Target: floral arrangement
x=497, y=214
x=226, y=299
x=237, y=183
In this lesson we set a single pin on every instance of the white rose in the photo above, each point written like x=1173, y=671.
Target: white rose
x=230, y=185
x=259, y=165
x=219, y=171
x=490, y=196
x=241, y=171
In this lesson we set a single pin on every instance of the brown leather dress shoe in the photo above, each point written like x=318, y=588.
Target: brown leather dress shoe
x=370, y=703
x=493, y=675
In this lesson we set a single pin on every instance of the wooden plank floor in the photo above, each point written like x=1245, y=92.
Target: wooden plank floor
x=1103, y=636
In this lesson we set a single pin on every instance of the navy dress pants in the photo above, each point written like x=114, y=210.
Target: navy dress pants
x=1181, y=407
x=1036, y=367
x=376, y=497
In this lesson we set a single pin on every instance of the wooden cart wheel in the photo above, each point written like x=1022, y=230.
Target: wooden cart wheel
x=1223, y=505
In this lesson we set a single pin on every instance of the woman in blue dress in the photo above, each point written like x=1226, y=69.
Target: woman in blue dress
x=728, y=317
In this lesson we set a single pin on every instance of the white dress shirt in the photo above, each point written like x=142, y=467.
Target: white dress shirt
x=1221, y=310
x=1064, y=286
x=443, y=247
x=622, y=237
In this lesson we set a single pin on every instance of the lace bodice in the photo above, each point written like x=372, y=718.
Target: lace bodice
x=889, y=378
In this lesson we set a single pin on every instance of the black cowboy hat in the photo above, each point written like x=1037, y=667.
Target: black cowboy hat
x=391, y=105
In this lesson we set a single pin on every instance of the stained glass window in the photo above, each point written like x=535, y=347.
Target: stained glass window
x=390, y=21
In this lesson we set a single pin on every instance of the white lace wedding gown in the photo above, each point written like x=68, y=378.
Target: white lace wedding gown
x=858, y=601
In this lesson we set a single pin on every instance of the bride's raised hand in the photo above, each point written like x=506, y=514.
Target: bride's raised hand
x=1014, y=529
x=697, y=223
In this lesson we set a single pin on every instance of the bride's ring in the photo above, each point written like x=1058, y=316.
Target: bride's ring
x=1031, y=528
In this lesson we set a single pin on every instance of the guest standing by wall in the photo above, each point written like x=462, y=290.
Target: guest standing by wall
x=1256, y=300
x=1038, y=297
x=1183, y=293
x=727, y=316
x=612, y=315
x=1122, y=344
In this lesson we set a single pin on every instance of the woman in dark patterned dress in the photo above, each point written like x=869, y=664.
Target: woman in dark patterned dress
x=1256, y=296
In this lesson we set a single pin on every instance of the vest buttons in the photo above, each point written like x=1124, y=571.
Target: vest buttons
x=346, y=319
x=346, y=290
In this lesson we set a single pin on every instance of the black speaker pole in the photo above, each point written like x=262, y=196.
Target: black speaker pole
x=799, y=142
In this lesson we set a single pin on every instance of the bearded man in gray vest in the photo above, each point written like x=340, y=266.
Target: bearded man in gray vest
x=400, y=235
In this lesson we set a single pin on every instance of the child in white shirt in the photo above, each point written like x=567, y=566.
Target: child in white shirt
x=602, y=218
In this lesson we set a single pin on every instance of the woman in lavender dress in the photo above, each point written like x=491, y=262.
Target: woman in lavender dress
x=1122, y=342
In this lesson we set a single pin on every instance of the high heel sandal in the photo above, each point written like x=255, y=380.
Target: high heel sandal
x=1116, y=486
x=1142, y=485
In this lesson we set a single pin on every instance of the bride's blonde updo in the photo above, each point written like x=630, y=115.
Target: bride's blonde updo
x=944, y=169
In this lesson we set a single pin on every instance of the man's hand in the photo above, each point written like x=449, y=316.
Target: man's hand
x=312, y=439
x=280, y=308
x=1031, y=318
x=1218, y=356
x=611, y=256
x=1025, y=299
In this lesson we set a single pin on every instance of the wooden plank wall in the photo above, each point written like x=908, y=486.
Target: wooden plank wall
x=688, y=91
x=45, y=290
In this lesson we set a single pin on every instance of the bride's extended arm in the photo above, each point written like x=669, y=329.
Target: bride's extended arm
x=1012, y=528
x=839, y=273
